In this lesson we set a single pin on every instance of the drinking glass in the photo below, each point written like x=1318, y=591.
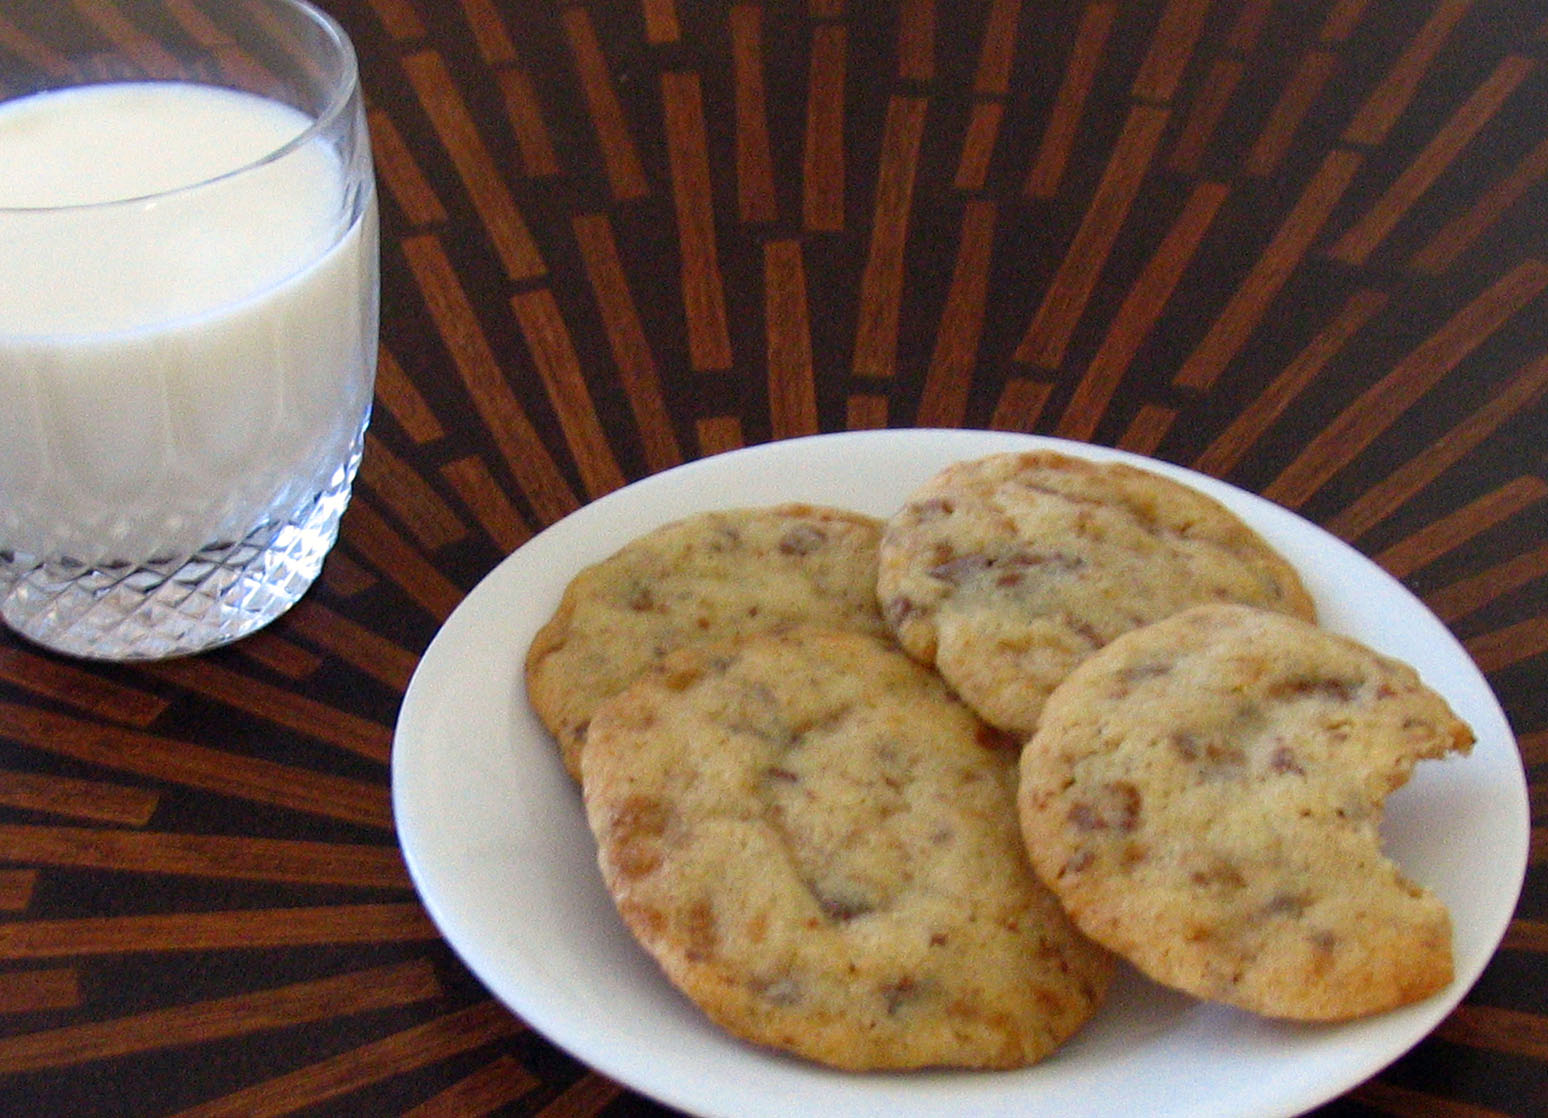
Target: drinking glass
x=188, y=316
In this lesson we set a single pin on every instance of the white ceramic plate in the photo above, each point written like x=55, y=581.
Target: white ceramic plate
x=496, y=840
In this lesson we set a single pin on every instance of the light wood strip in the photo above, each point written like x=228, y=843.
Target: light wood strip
x=345, y=577
x=78, y=687
x=153, y=59
x=1392, y=95
x=704, y=301
x=1243, y=432
x=1148, y=427
x=279, y=655
x=1205, y=114
x=1021, y=404
x=881, y=280
x=822, y=164
x=355, y=644
x=983, y=131
x=400, y=172
x=403, y=401
x=1290, y=111
x=32, y=991
x=1250, y=302
x=1460, y=233
x=825, y=9
x=661, y=22
x=626, y=335
x=367, y=533
x=943, y=400
x=1171, y=49
x=1526, y=935
x=1342, y=19
x=232, y=930
x=490, y=34
x=506, y=228
x=1450, y=532
x=1448, y=142
x=197, y=766
x=222, y=1018
x=1404, y=1102
x=1058, y=140
x=401, y=488
x=488, y=1090
x=486, y=499
x=280, y=705
x=1399, y=485
x=1141, y=309
x=31, y=50
x=524, y=111
x=1511, y=645
x=95, y=800
x=1534, y=748
x=16, y=888
x=718, y=434
x=865, y=411
x=1375, y=409
x=997, y=54
x=553, y=352
x=916, y=40
x=1248, y=28
x=1497, y=1029
x=400, y=19
x=588, y=1096
x=1048, y=335
x=503, y=416
x=620, y=159
x=754, y=161
x=1455, y=601
x=791, y=378
x=217, y=857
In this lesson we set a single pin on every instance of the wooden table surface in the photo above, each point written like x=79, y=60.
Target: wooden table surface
x=1299, y=246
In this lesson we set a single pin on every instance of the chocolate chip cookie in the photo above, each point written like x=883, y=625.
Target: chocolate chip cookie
x=1204, y=795
x=818, y=844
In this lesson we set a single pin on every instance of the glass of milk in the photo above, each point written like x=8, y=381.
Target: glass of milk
x=188, y=316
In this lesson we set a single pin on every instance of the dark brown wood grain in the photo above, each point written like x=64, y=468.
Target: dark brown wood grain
x=1297, y=246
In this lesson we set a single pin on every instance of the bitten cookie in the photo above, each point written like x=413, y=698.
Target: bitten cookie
x=818, y=845
x=1204, y=796
x=711, y=576
x=1007, y=571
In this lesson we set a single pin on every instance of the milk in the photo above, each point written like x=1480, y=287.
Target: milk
x=171, y=369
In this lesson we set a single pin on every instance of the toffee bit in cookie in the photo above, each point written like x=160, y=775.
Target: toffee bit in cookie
x=1316, y=687
x=1112, y=807
x=1283, y=761
x=783, y=991
x=897, y=995
x=961, y=569
x=803, y=539
x=932, y=509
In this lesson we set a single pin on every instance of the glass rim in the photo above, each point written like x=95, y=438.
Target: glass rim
x=345, y=86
